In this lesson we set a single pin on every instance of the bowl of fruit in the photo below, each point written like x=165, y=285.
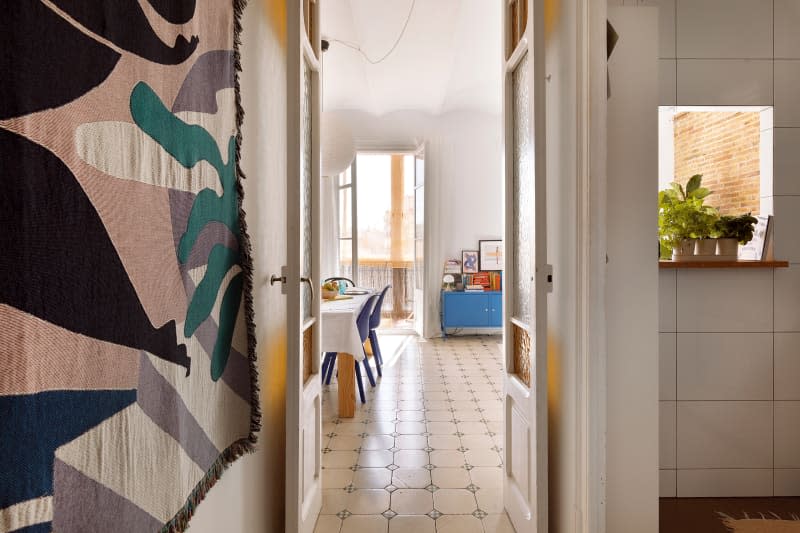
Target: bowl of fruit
x=330, y=290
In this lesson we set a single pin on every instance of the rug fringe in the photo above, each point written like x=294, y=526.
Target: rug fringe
x=180, y=522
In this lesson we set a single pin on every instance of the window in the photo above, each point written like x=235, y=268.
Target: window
x=347, y=221
x=376, y=212
x=729, y=146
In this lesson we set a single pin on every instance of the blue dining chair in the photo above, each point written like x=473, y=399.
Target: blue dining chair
x=362, y=323
x=374, y=322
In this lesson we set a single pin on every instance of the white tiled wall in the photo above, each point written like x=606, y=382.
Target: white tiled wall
x=787, y=38
x=724, y=300
x=718, y=82
x=787, y=434
x=725, y=482
x=741, y=52
x=715, y=29
x=667, y=82
x=667, y=366
x=729, y=354
x=730, y=341
x=787, y=482
x=734, y=434
x=724, y=366
x=787, y=366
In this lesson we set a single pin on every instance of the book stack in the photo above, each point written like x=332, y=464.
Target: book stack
x=495, y=281
x=483, y=281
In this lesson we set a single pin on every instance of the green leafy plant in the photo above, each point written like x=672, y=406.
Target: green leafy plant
x=682, y=214
x=740, y=228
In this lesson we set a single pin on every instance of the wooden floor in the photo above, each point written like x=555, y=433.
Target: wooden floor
x=702, y=515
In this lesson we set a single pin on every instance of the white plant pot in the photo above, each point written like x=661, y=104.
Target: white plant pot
x=684, y=251
x=728, y=247
x=705, y=247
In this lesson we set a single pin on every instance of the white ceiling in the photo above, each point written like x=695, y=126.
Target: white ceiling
x=449, y=58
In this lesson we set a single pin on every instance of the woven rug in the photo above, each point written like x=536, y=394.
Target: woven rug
x=764, y=523
x=127, y=354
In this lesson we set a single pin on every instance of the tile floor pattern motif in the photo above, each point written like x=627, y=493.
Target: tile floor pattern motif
x=424, y=453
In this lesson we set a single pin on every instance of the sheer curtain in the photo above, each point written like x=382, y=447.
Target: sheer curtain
x=329, y=233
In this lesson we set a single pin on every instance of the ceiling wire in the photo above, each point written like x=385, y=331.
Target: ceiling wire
x=358, y=49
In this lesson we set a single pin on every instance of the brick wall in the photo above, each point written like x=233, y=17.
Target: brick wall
x=724, y=148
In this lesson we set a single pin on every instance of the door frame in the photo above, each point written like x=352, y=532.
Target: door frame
x=383, y=149
x=353, y=191
x=591, y=352
x=419, y=322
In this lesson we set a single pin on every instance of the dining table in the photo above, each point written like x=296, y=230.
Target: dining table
x=339, y=333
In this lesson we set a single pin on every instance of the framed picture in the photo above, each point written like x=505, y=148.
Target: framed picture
x=492, y=256
x=469, y=261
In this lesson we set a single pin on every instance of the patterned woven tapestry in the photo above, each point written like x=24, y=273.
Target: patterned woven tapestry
x=127, y=354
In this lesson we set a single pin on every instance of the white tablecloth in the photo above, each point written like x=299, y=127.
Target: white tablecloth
x=339, y=329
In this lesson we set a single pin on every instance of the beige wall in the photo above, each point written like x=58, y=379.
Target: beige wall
x=250, y=495
x=632, y=275
x=561, y=61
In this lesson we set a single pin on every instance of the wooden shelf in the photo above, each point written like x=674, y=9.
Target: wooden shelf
x=743, y=263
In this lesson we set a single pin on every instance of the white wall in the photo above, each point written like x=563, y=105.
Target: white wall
x=463, y=180
x=632, y=275
x=250, y=495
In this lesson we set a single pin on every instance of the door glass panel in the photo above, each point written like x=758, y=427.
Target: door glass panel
x=306, y=236
x=523, y=204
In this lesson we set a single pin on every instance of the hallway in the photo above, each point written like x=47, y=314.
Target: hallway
x=423, y=454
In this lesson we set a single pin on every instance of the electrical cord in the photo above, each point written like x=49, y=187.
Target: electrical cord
x=358, y=49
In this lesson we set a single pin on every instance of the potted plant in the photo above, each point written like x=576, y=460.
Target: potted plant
x=684, y=221
x=731, y=231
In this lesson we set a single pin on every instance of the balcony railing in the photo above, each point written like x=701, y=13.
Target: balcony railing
x=399, y=301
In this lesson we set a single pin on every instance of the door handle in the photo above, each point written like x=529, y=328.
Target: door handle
x=310, y=285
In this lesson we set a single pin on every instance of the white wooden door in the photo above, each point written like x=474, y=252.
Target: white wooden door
x=303, y=385
x=419, y=240
x=527, y=275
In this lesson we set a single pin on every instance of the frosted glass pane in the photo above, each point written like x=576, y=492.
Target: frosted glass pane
x=523, y=206
x=305, y=191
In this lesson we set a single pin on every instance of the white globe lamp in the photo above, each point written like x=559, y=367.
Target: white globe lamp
x=338, y=148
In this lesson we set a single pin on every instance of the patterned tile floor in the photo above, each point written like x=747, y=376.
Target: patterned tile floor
x=423, y=455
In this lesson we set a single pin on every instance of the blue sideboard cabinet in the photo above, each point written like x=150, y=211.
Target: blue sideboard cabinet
x=471, y=310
